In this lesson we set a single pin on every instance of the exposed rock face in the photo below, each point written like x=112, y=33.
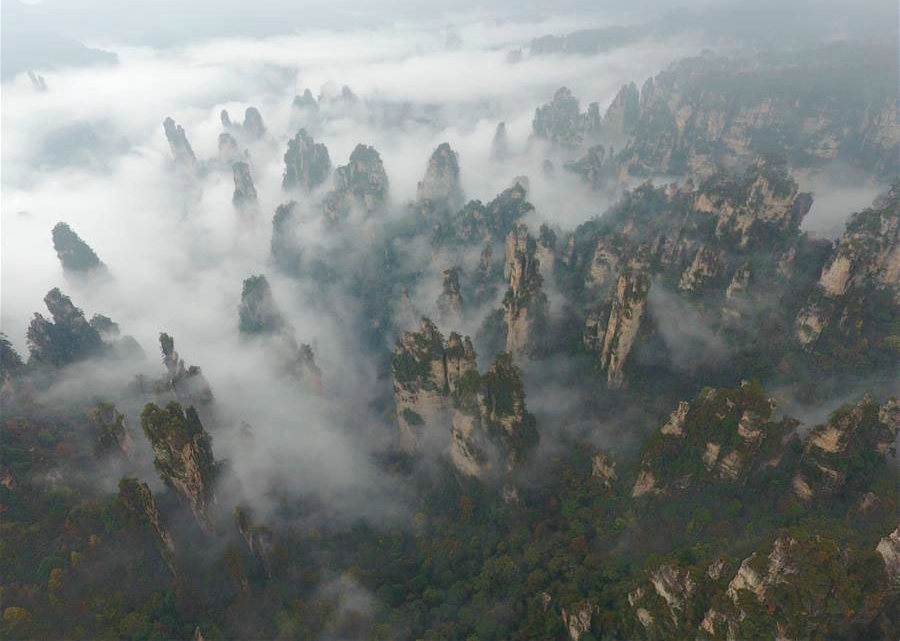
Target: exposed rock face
x=361, y=184
x=864, y=431
x=285, y=246
x=306, y=163
x=111, y=435
x=244, y=192
x=525, y=304
x=500, y=144
x=591, y=167
x=441, y=185
x=751, y=207
x=696, y=115
x=74, y=254
x=578, y=619
x=137, y=498
x=183, y=456
x=259, y=314
x=623, y=113
x=864, y=267
x=478, y=223
x=437, y=385
x=603, y=468
x=663, y=604
x=258, y=538
x=492, y=430
x=889, y=549
x=187, y=383
x=717, y=242
x=450, y=302
x=561, y=121
x=66, y=339
x=791, y=586
x=422, y=381
x=182, y=152
x=723, y=436
x=611, y=332
x=261, y=317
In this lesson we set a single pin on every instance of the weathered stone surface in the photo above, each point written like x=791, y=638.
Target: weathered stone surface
x=183, y=456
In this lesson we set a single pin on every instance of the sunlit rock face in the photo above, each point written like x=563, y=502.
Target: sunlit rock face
x=360, y=185
x=306, y=163
x=183, y=456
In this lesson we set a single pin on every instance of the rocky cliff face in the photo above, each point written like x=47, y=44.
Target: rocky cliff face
x=611, y=331
x=450, y=301
x=306, y=163
x=862, y=273
x=183, y=456
x=186, y=382
x=782, y=591
x=361, y=185
x=422, y=380
x=258, y=538
x=525, y=305
x=182, y=152
x=74, y=254
x=261, y=318
x=698, y=114
x=623, y=113
x=864, y=431
x=733, y=242
x=478, y=223
x=441, y=185
x=561, y=121
x=66, y=339
x=492, y=432
x=723, y=436
x=244, y=196
x=439, y=393
x=136, y=497
x=111, y=436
